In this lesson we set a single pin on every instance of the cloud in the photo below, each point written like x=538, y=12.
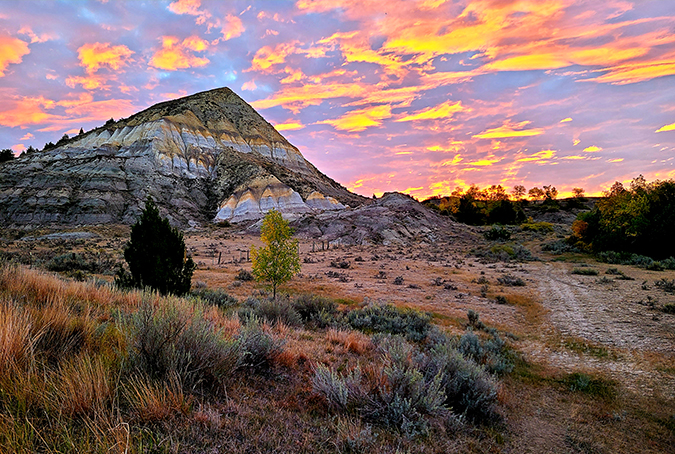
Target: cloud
x=360, y=119
x=291, y=126
x=175, y=54
x=566, y=120
x=541, y=156
x=27, y=136
x=96, y=55
x=12, y=50
x=444, y=110
x=34, y=38
x=592, y=149
x=233, y=27
x=24, y=111
x=190, y=7
x=249, y=85
x=268, y=56
x=670, y=127
x=509, y=129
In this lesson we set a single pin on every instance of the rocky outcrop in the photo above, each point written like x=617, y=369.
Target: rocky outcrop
x=394, y=219
x=196, y=156
x=263, y=194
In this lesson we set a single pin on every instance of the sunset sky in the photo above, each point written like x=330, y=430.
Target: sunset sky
x=418, y=97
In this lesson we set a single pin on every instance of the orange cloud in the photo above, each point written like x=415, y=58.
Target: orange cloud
x=288, y=126
x=95, y=55
x=444, y=110
x=268, y=56
x=233, y=27
x=636, y=72
x=12, y=50
x=25, y=111
x=565, y=120
x=509, y=129
x=294, y=98
x=27, y=136
x=529, y=63
x=670, y=127
x=175, y=54
x=90, y=82
x=360, y=119
x=540, y=156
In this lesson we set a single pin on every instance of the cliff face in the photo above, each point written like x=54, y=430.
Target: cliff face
x=205, y=157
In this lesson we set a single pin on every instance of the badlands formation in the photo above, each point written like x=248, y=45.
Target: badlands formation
x=208, y=157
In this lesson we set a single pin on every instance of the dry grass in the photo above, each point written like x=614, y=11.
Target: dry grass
x=352, y=341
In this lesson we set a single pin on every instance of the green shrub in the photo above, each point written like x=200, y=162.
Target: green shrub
x=666, y=285
x=539, y=227
x=244, y=275
x=315, y=311
x=586, y=384
x=176, y=341
x=412, y=324
x=70, y=262
x=497, y=233
x=258, y=350
x=216, y=297
x=559, y=247
x=669, y=308
x=511, y=281
x=585, y=271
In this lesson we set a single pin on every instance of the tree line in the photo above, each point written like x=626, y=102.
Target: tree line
x=493, y=205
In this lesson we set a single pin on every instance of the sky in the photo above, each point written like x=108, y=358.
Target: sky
x=419, y=97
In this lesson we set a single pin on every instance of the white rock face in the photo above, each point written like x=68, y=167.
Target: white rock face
x=265, y=194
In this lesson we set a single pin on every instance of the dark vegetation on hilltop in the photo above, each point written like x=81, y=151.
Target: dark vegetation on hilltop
x=493, y=205
x=635, y=220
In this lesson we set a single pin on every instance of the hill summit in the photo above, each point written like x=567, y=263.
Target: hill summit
x=205, y=157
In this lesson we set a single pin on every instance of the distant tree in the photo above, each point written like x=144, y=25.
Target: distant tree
x=81, y=133
x=519, y=191
x=156, y=255
x=109, y=122
x=578, y=192
x=278, y=261
x=496, y=193
x=550, y=192
x=535, y=193
x=6, y=155
x=30, y=149
x=48, y=146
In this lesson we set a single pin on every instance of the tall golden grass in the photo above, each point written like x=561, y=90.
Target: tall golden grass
x=65, y=382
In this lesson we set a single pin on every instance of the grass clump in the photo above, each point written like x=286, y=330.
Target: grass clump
x=584, y=383
x=669, y=308
x=666, y=285
x=511, y=281
x=585, y=271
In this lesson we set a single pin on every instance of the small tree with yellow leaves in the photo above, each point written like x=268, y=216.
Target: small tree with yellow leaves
x=278, y=261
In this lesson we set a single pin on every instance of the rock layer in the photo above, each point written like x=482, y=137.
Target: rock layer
x=192, y=155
